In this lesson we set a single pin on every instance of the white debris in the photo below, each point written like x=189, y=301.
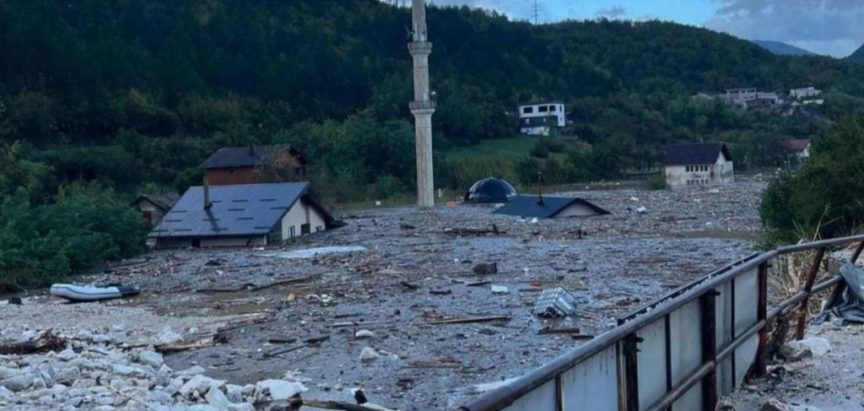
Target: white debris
x=368, y=354
x=276, y=390
x=312, y=252
x=499, y=289
x=168, y=336
x=641, y=210
x=364, y=334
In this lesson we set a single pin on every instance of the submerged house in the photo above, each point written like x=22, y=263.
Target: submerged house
x=799, y=149
x=489, y=191
x=154, y=206
x=241, y=216
x=255, y=164
x=698, y=164
x=550, y=207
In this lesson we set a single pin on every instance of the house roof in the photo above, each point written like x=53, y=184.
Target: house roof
x=162, y=200
x=236, y=210
x=540, y=102
x=798, y=145
x=249, y=156
x=695, y=153
x=527, y=206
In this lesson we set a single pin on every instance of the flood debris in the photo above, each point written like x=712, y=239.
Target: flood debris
x=44, y=342
x=555, y=303
x=317, y=251
x=486, y=269
x=471, y=320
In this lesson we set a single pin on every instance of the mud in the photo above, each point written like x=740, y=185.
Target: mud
x=414, y=271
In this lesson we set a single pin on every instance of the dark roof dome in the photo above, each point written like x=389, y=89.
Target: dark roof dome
x=490, y=190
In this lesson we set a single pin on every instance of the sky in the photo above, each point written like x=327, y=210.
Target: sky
x=831, y=27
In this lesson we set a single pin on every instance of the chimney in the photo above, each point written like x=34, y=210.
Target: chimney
x=207, y=203
x=540, y=188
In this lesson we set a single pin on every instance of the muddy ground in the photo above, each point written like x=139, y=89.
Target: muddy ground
x=417, y=270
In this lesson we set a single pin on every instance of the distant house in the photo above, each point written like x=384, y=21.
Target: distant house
x=241, y=216
x=255, y=164
x=154, y=206
x=549, y=207
x=740, y=96
x=799, y=149
x=539, y=118
x=804, y=93
x=764, y=101
x=698, y=164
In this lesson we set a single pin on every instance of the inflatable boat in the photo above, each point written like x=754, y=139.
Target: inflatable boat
x=74, y=292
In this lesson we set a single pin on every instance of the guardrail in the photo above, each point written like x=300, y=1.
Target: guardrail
x=680, y=352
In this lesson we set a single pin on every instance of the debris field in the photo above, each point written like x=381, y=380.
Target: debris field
x=418, y=309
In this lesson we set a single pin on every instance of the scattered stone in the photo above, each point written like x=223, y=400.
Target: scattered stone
x=817, y=345
x=234, y=393
x=159, y=397
x=200, y=384
x=153, y=359
x=774, y=404
x=276, y=390
x=216, y=398
x=364, y=334
x=18, y=382
x=168, y=336
x=793, y=351
x=368, y=354
x=499, y=289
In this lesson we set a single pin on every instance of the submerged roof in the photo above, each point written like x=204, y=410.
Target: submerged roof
x=249, y=156
x=695, y=153
x=236, y=210
x=490, y=190
x=798, y=145
x=528, y=206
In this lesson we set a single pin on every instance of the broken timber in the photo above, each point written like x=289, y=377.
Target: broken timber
x=474, y=231
x=45, y=342
x=250, y=287
x=471, y=320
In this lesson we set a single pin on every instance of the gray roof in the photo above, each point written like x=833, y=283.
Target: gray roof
x=249, y=156
x=237, y=210
x=527, y=206
x=695, y=153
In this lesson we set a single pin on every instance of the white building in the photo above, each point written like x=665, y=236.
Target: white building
x=805, y=93
x=539, y=118
x=241, y=215
x=698, y=164
x=740, y=96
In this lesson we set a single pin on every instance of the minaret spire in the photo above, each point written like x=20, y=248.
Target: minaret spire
x=422, y=107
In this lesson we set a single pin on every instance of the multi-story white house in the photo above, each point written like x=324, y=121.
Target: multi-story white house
x=698, y=164
x=805, y=93
x=539, y=118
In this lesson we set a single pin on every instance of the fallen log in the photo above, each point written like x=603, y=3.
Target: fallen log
x=251, y=287
x=175, y=348
x=45, y=342
x=474, y=231
x=296, y=403
x=471, y=320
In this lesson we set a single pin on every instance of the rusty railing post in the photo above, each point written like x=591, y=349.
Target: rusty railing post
x=761, y=363
x=837, y=292
x=631, y=372
x=709, y=348
x=808, y=288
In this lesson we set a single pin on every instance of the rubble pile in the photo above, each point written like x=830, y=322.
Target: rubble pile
x=95, y=372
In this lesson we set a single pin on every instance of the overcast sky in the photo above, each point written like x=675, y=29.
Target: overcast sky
x=833, y=27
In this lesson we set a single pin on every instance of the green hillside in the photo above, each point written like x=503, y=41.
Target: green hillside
x=858, y=55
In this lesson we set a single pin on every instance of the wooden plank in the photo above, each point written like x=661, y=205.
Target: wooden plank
x=808, y=287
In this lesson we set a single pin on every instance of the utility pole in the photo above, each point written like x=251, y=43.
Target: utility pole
x=535, y=11
x=422, y=107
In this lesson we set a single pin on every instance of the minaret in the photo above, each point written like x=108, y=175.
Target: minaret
x=422, y=107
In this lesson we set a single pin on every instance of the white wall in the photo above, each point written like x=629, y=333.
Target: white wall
x=561, y=117
x=299, y=214
x=721, y=172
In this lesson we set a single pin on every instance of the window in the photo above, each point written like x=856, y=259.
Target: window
x=528, y=110
x=291, y=232
x=305, y=229
x=319, y=228
x=553, y=108
x=543, y=109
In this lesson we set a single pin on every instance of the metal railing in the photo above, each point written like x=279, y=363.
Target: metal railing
x=681, y=352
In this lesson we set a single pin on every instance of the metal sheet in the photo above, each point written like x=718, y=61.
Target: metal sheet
x=685, y=325
x=724, y=336
x=746, y=298
x=543, y=398
x=593, y=384
x=652, y=363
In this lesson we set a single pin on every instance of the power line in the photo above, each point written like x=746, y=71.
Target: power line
x=535, y=11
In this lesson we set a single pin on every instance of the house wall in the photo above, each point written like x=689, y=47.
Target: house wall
x=576, y=210
x=155, y=213
x=559, y=113
x=535, y=131
x=299, y=214
x=721, y=172
x=227, y=176
x=210, y=242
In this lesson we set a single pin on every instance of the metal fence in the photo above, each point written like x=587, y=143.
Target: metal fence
x=680, y=352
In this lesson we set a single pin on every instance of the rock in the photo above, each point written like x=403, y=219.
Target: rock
x=59, y=389
x=725, y=405
x=39, y=384
x=817, y=345
x=18, y=382
x=201, y=384
x=174, y=386
x=364, y=334
x=368, y=354
x=159, y=397
x=118, y=384
x=216, y=398
x=6, y=395
x=67, y=375
x=202, y=407
x=153, y=359
x=234, y=393
x=241, y=407
x=75, y=401
x=168, y=336
x=774, y=404
x=126, y=370
x=67, y=355
x=794, y=351
x=248, y=390
x=277, y=389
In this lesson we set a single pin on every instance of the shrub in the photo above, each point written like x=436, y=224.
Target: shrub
x=656, y=182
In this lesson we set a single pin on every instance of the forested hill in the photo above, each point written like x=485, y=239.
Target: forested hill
x=160, y=83
x=858, y=55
